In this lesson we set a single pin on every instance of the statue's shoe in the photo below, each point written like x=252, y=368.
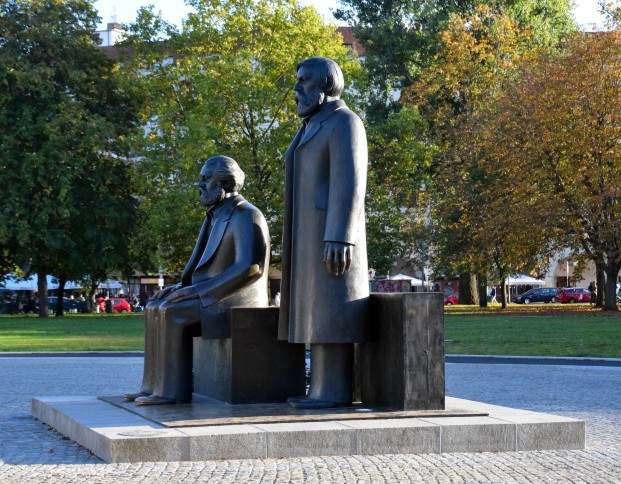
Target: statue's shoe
x=314, y=403
x=152, y=400
x=130, y=397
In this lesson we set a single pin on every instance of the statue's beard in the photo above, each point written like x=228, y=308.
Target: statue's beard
x=307, y=104
x=213, y=197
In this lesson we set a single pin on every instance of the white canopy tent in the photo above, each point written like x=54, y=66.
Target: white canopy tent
x=402, y=277
x=30, y=283
x=110, y=284
x=524, y=280
x=514, y=281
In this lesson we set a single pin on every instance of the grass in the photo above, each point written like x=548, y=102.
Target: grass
x=572, y=333
x=96, y=332
x=545, y=330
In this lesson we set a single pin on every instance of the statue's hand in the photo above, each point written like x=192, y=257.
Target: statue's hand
x=165, y=291
x=182, y=294
x=337, y=257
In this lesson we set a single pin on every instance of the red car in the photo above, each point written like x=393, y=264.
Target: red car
x=120, y=305
x=450, y=299
x=574, y=295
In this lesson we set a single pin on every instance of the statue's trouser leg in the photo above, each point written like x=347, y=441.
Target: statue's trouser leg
x=332, y=372
x=179, y=323
x=151, y=323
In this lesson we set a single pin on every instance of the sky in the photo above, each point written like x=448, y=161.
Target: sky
x=585, y=11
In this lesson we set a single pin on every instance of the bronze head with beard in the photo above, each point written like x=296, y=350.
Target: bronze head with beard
x=319, y=80
x=220, y=177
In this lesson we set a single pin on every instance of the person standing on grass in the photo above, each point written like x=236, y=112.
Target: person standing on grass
x=593, y=292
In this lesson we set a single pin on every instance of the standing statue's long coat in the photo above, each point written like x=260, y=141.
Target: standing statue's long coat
x=325, y=184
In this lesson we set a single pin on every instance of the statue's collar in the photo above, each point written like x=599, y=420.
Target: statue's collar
x=324, y=111
x=313, y=123
x=224, y=209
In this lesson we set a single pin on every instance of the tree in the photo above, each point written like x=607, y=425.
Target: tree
x=401, y=37
x=399, y=161
x=63, y=123
x=398, y=37
x=475, y=225
x=557, y=132
x=405, y=41
x=223, y=84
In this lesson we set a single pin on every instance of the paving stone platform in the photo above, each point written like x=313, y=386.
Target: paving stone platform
x=117, y=435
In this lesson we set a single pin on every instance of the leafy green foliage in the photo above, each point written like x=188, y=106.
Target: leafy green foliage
x=401, y=37
x=399, y=168
x=66, y=207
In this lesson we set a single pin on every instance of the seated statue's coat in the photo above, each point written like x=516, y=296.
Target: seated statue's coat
x=228, y=266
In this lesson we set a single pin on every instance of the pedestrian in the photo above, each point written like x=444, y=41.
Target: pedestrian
x=593, y=292
x=492, y=295
x=101, y=304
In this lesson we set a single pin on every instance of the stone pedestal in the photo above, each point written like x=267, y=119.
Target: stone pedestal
x=402, y=367
x=118, y=435
x=251, y=365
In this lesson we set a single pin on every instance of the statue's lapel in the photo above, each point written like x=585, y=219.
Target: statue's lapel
x=294, y=143
x=220, y=222
x=309, y=132
x=190, y=266
x=317, y=120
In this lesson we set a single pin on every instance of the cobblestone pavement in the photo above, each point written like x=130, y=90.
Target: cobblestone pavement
x=31, y=452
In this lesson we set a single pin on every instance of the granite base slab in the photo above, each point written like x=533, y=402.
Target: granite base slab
x=117, y=435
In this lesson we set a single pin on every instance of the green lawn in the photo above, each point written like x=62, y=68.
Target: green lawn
x=555, y=332
x=549, y=334
x=96, y=332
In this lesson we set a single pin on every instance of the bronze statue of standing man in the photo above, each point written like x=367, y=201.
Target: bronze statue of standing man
x=325, y=287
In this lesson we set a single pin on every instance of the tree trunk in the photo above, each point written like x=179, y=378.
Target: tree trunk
x=90, y=297
x=474, y=289
x=503, y=292
x=468, y=293
x=60, y=293
x=600, y=283
x=482, y=278
x=610, y=290
x=42, y=290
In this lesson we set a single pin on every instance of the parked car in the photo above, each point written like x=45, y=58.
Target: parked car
x=30, y=306
x=574, y=295
x=69, y=305
x=539, y=294
x=8, y=302
x=120, y=305
x=450, y=299
x=52, y=301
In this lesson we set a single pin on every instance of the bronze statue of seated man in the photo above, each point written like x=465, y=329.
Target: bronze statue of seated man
x=228, y=267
